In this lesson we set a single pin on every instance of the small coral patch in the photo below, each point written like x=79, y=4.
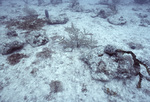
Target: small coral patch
x=15, y=58
x=56, y=86
x=26, y=23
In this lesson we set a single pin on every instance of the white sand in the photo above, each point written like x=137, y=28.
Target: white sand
x=19, y=85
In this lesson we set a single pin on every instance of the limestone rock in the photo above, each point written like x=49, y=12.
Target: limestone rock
x=11, y=47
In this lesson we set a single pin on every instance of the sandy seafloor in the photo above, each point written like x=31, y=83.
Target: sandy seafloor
x=19, y=85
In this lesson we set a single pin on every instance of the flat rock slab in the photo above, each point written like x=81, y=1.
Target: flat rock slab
x=115, y=20
x=61, y=19
x=36, y=39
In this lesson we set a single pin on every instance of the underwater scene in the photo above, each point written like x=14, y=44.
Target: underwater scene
x=74, y=50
